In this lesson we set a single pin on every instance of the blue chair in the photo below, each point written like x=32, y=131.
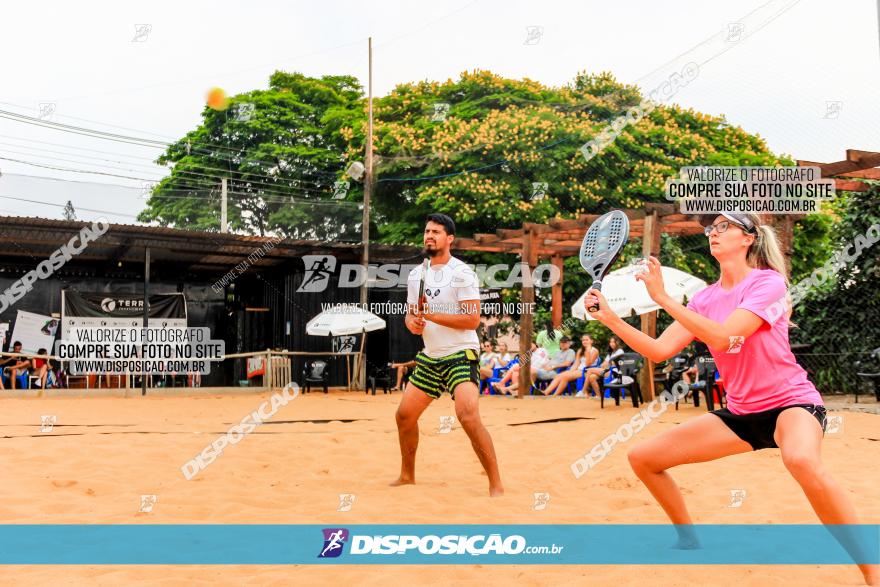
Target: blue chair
x=22, y=380
x=497, y=375
x=582, y=381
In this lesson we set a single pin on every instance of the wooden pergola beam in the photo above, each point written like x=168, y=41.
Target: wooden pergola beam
x=508, y=234
x=850, y=186
x=567, y=224
x=855, y=161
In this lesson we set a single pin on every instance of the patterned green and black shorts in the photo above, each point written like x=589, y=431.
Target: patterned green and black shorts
x=434, y=376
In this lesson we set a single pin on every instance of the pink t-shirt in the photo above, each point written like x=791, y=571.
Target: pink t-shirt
x=764, y=374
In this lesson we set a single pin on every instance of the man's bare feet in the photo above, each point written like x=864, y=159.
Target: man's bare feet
x=402, y=481
x=496, y=491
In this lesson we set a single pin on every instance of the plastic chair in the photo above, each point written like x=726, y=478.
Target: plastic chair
x=21, y=380
x=582, y=380
x=679, y=364
x=497, y=375
x=869, y=371
x=380, y=375
x=315, y=372
x=627, y=366
x=707, y=372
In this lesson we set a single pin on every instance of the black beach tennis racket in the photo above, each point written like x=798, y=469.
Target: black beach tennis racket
x=426, y=264
x=602, y=245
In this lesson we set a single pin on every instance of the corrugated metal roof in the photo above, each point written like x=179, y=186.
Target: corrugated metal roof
x=28, y=238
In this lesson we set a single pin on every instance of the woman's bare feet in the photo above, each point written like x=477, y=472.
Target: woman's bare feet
x=496, y=491
x=402, y=481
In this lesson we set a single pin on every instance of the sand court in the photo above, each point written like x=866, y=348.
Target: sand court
x=103, y=454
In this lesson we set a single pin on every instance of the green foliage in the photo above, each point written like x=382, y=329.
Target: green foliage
x=518, y=132
x=840, y=318
x=281, y=163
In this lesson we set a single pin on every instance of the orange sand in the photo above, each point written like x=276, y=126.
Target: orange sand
x=93, y=468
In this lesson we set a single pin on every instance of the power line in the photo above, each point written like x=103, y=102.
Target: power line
x=63, y=205
x=155, y=168
x=75, y=161
x=72, y=170
x=269, y=196
x=261, y=185
x=149, y=143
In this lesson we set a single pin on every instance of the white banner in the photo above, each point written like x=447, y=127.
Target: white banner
x=34, y=331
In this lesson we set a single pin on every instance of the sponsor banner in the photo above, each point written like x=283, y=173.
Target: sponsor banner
x=436, y=544
x=119, y=310
x=125, y=306
x=34, y=331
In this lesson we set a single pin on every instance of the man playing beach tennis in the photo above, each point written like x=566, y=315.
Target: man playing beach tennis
x=771, y=403
x=446, y=317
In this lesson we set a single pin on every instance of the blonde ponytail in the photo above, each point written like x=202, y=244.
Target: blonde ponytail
x=765, y=252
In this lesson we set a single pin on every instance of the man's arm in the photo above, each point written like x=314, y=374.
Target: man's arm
x=468, y=317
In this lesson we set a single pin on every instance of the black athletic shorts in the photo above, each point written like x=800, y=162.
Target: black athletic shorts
x=757, y=429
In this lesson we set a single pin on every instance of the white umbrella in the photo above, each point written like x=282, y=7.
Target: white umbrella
x=626, y=296
x=344, y=319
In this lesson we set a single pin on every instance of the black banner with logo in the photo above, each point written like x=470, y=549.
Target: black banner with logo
x=99, y=305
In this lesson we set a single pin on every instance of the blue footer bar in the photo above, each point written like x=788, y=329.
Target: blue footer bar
x=567, y=544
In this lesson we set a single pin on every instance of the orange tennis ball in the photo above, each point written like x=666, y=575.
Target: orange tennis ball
x=217, y=99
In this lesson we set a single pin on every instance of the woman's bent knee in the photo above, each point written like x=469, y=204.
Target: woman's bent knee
x=641, y=459
x=802, y=466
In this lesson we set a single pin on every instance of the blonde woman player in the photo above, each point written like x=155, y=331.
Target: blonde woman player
x=770, y=401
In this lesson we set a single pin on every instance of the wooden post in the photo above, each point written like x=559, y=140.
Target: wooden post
x=360, y=370
x=267, y=373
x=146, y=316
x=556, y=293
x=650, y=247
x=528, y=262
x=784, y=225
x=224, y=204
x=360, y=363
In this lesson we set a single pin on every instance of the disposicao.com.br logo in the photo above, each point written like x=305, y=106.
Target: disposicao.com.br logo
x=409, y=544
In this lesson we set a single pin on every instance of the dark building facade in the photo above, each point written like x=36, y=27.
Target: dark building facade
x=244, y=288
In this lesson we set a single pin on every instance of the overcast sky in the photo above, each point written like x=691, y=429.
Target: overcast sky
x=802, y=74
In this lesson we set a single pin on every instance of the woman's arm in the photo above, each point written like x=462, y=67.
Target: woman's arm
x=740, y=323
x=673, y=339
x=718, y=336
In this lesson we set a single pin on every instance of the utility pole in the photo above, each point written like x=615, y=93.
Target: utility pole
x=368, y=191
x=223, y=213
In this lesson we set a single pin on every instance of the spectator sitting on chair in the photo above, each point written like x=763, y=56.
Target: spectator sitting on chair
x=586, y=356
x=402, y=369
x=504, y=356
x=512, y=375
x=592, y=375
x=700, y=350
x=488, y=358
x=562, y=359
x=43, y=369
x=13, y=366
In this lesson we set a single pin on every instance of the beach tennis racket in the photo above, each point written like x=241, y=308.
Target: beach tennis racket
x=426, y=264
x=602, y=245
